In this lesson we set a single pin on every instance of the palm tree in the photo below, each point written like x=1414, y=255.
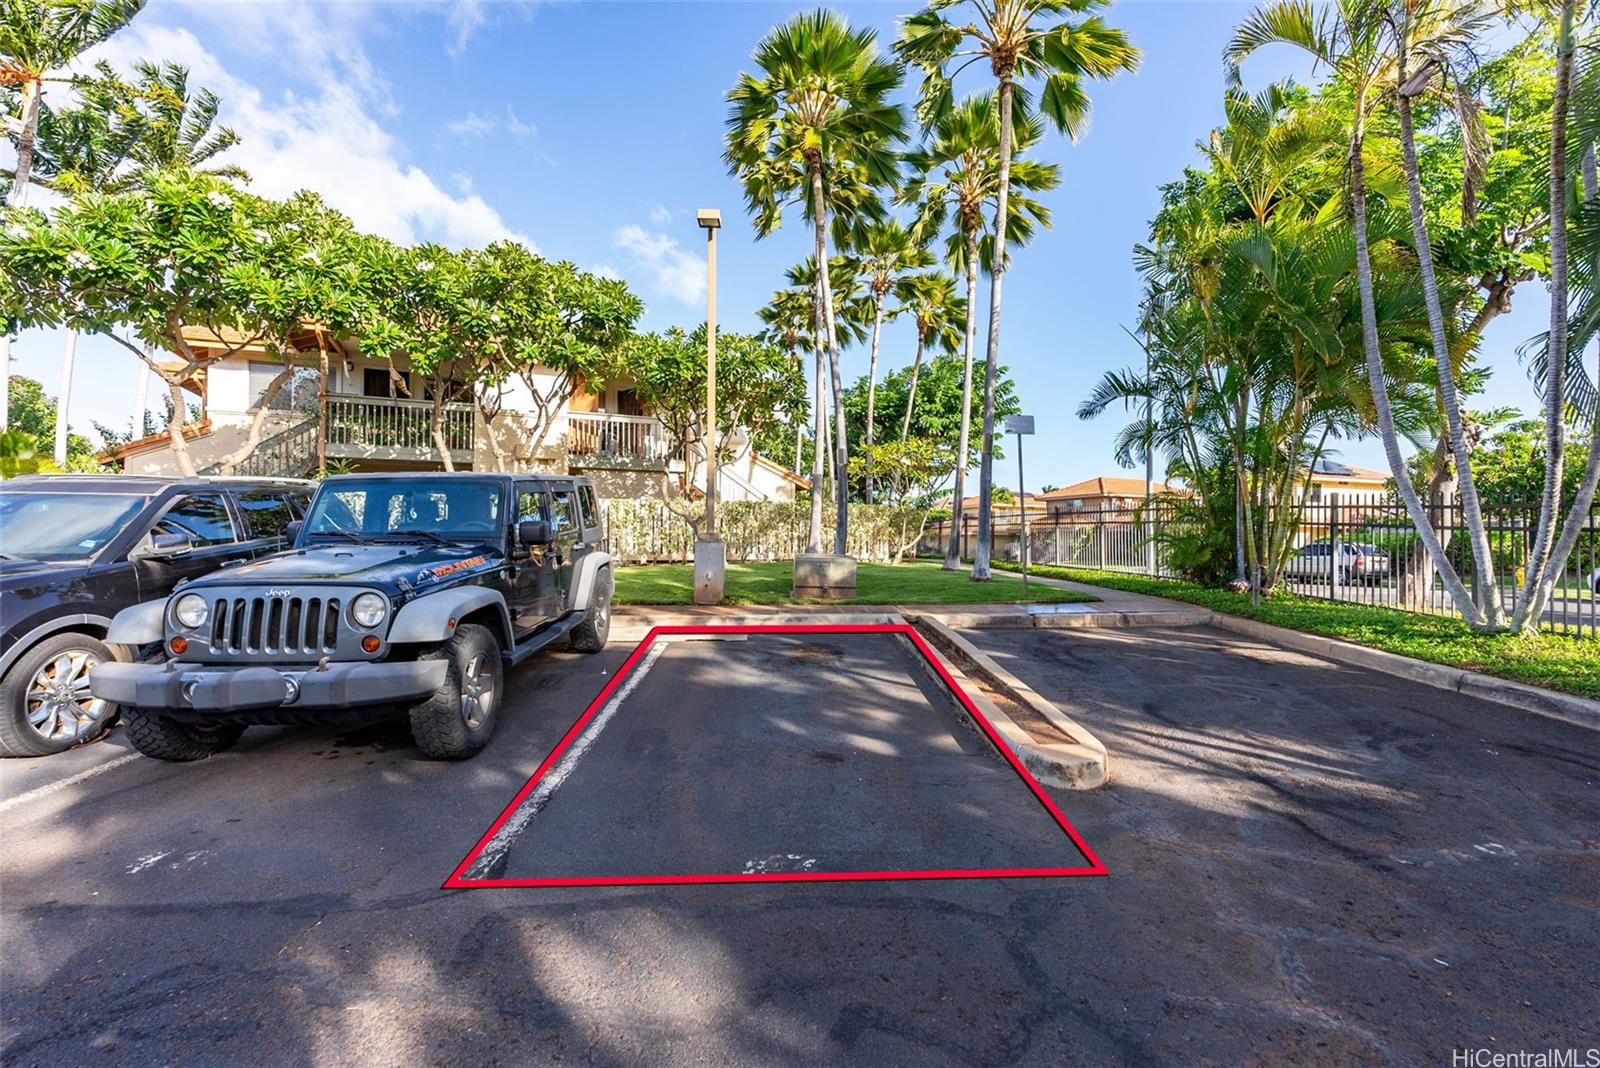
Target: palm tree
x=178, y=129
x=1573, y=148
x=113, y=140
x=1351, y=38
x=789, y=318
x=815, y=124
x=38, y=37
x=1021, y=40
x=960, y=171
x=939, y=316
x=882, y=253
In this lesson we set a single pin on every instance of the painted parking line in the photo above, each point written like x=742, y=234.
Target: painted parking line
x=61, y=784
x=698, y=702
x=492, y=855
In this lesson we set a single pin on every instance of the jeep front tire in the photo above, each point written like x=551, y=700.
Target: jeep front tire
x=165, y=738
x=590, y=635
x=458, y=719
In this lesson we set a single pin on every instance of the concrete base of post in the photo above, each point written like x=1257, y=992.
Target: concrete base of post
x=710, y=571
x=823, y=577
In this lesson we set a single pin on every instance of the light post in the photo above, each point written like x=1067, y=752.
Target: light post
x=1020, y=425
x=710, y=558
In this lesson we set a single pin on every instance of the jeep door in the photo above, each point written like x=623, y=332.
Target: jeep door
x=535, y=588
x=565, y=535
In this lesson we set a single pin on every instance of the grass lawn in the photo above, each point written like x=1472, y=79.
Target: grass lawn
x=1560, y=662
x=909, y=583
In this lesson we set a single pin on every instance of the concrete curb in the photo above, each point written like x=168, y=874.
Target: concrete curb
x=1078, y=763
x=1579, y=711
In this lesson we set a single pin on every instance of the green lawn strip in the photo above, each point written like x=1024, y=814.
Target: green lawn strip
x=770, y=583
x=1560, y=662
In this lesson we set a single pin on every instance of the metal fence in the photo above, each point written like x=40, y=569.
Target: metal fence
x=1354, y=548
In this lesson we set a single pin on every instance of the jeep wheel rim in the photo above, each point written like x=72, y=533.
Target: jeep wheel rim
x=477, y=691
x=60, y=706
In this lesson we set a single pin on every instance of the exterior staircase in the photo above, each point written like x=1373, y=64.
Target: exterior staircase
x=290, y=453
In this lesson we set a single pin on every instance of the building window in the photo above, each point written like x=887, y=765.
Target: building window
x=298, y=394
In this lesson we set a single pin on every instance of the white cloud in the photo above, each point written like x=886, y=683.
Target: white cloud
x=321, y=136
x=660, y=215
x=672, y=271
x=472, y=126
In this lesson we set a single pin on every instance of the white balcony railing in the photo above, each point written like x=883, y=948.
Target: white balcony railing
x=393, y=428
x=628, y=438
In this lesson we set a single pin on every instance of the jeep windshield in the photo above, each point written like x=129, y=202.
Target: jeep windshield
x=63, y=526
x=412, y=509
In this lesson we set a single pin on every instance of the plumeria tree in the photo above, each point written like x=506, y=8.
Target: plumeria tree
x=815, y=126
x=182, y=256
x=1053, y=42
x=758, y=386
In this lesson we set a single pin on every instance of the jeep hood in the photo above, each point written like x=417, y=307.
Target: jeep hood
x=390, y=565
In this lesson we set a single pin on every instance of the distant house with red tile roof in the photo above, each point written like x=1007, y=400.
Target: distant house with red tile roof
x=1093, y=494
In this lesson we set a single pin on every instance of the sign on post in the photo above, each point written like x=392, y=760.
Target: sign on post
x=1020, y=425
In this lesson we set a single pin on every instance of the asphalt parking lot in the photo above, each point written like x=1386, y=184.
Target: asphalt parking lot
x=1309, y=863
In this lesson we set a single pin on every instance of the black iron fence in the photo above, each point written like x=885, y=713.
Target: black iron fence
x=1356, y=548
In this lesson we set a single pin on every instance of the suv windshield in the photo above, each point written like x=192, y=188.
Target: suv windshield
x=63, y=526
x=429, y=509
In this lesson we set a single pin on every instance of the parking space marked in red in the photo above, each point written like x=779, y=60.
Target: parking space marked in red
x=459, y=880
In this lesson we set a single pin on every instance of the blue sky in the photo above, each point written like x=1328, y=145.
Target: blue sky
x=593, y=131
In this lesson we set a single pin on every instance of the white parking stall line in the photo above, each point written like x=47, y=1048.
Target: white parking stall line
x=494, y=853
x=61, y=784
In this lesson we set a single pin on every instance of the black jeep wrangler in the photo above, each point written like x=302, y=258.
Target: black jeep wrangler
x=408, y=589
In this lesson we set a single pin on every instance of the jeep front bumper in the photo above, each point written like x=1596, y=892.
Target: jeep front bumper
x=209, y=688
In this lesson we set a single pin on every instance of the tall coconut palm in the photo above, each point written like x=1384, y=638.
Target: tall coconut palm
x=851, y=313
x=939, y=318
x=789, y=318
x=882, y=253
x=1351, y=37
x=959, y=173
x=1022, y=41
x=37, y=39
x=1430, y=38
x=815, y=121
x=1567, y=110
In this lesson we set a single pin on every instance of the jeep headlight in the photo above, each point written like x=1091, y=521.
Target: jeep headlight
x=369, y=610
x=191, y=611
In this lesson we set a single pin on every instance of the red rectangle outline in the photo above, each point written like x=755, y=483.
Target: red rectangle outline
x=458, y=881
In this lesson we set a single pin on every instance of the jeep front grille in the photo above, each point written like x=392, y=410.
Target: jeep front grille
x=275, y=626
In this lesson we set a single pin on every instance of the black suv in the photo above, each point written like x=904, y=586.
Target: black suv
x=77, y=549
x=411, y=590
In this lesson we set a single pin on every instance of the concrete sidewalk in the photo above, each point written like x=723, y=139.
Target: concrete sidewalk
x=1113, y=609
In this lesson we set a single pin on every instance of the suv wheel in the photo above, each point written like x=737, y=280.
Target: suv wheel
x=590, y=635
x=458, y=719
x=165, y=738
x=45, y=703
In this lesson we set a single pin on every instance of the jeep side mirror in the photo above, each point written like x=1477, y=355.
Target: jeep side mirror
x=291, y=533
x=533, y=532
x=162, y=544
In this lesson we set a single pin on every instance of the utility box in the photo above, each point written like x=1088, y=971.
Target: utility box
x=823, y=577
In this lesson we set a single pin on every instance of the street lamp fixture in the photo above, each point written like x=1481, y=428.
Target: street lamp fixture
x=710, y=559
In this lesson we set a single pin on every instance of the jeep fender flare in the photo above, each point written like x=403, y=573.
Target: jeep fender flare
x=140, y=625
x=428, y=618
x=585, y=575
